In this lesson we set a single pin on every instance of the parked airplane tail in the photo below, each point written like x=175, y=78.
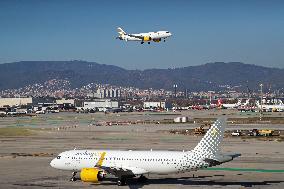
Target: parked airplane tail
x=247, y=102
x=219, y=102
x=209, y=146
x=239, y=102
x=257, y=103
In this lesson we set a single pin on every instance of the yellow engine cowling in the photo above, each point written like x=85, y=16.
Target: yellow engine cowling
x=146, y=38
x=91, y=175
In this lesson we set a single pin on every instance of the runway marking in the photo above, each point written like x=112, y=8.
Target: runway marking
x=247, y=170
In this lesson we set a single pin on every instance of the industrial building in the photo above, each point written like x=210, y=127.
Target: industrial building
x=157, y=105
x=15, y=102
x=100, y=105
x=65, y=101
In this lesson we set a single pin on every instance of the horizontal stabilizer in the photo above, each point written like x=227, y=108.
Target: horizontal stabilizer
x=218, y=160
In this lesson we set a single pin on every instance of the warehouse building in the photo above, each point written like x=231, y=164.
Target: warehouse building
x=15, y=102
x=157, y=105
x=100, y=105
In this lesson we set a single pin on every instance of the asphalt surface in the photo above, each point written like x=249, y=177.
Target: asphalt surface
x=24, y=160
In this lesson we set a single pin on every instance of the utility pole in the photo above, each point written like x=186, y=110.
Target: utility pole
x=261, y=97
x=210, y=97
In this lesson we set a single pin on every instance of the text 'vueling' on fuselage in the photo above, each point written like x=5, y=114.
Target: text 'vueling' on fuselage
x=144, y=37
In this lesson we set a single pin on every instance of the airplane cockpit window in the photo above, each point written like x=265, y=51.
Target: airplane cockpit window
x=167, y=32
x=58, y=157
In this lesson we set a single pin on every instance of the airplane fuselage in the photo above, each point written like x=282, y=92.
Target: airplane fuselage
x=144, y=37
x=93, y=164
x=151, y=35
x=140, y=162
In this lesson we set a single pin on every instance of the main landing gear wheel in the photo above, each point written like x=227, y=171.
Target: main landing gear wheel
x=148, y=42
x=100, y=176
x=142, y=42
x=121, y=182
x=73, y=177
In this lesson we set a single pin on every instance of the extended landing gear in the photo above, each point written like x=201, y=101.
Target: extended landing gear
x=121, y=181
x=142, y=42
x=73, y=178
x=164, y=40
x=142, y=179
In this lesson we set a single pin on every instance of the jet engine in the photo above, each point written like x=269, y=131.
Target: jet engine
x=91, y=175
x=146, y=38
x=157, y=40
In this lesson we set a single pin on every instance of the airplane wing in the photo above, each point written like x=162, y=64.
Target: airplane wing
x=119, y=171
x=123, y=171
x=136, y=36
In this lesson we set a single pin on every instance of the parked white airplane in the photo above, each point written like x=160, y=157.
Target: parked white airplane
x=144, y=37
x=94, y=164
x=272, y=107
x=229, y=106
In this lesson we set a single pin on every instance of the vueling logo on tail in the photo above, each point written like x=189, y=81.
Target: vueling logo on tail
x=214, y=132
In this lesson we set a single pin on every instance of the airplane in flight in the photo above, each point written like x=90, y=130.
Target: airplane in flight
x=144, y=37
x=93, y=165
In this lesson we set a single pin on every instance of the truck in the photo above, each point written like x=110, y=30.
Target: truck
x=266, y=132
x=236, y=133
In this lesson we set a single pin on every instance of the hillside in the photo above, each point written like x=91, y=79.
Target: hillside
x=203, y=77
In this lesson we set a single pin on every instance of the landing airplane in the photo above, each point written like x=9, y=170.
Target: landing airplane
x=144, y=37
x=95, y=164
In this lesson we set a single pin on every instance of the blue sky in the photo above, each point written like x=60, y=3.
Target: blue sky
x=249, y=31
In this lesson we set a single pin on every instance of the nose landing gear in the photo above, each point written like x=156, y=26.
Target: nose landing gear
x=73, y=178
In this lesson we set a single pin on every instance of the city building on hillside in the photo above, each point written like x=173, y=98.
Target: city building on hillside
x=108, y=93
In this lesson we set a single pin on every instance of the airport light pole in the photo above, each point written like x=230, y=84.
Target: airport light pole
x=261, y=97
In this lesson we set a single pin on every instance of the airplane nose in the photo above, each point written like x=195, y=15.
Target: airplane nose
x=52, y=163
